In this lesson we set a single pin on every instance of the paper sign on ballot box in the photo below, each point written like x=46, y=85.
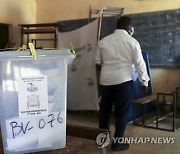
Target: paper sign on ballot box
x=32, y=96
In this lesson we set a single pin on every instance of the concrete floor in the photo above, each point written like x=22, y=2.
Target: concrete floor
x=91, y=120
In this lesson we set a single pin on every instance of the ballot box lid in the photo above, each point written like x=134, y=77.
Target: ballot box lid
x=21, y=55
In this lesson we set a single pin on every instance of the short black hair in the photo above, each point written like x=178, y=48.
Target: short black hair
x=123, y=22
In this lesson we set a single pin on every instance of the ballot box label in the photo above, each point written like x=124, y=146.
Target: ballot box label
x=35, y=132
x=32, y=96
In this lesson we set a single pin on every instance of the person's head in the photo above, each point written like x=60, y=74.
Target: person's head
x=125, y=23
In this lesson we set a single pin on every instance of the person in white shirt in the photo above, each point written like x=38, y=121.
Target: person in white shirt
x=117, y=54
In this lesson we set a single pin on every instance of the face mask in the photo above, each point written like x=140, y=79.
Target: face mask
x=131, y=31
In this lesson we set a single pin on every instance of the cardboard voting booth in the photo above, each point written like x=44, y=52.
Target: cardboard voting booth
x=33, y=100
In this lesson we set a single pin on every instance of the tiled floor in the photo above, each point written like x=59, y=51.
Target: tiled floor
x=91, y=120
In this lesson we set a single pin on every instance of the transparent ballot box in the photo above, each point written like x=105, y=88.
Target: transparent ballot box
x=33, y=100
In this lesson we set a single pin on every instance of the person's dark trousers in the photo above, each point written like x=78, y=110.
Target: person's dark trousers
x=120, y=96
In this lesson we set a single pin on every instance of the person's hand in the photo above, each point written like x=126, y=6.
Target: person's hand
x=144, y=88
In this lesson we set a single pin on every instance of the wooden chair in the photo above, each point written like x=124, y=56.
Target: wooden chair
x=142, y=101
x=160, y=114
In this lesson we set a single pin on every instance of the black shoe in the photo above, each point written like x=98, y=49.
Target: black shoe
x=119, y=147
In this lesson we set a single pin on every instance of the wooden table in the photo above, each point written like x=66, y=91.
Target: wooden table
x=41, y=28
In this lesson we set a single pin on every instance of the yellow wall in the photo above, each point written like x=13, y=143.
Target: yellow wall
x=165, y=80
x=16, y=12
x=55, y=10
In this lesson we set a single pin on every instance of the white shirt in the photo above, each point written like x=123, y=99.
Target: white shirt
x=118, y=53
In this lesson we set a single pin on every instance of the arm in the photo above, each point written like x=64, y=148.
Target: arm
x=140, y=66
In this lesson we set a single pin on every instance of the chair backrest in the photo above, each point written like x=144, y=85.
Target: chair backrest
x=178, y=97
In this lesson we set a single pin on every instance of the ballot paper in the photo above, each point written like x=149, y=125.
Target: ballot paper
x=37, y=132
x=33, y=86
x=26, y=141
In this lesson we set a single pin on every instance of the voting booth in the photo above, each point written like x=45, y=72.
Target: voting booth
x=33, y=100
